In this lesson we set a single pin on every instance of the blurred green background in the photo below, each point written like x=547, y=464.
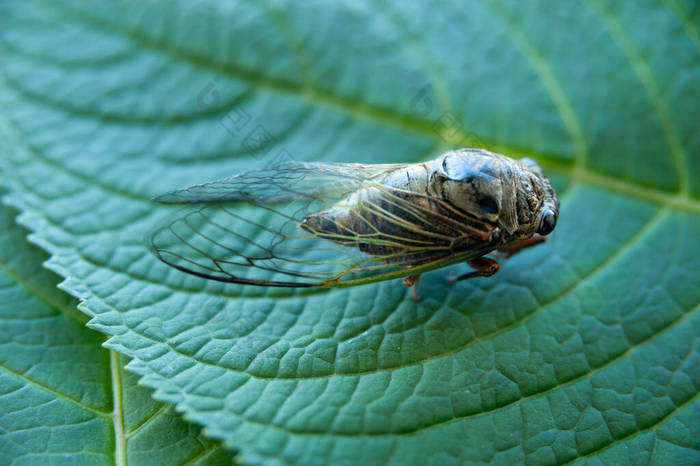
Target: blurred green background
x=584, y=349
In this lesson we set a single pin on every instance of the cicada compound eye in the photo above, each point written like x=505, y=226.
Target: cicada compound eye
x=548, y=222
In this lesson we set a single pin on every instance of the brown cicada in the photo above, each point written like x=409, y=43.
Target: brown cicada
x=303, y=224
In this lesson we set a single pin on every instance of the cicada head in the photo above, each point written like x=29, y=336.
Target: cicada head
x=537, y=204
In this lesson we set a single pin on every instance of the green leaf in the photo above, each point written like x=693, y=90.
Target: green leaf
x=63, y=398
x=584, y=348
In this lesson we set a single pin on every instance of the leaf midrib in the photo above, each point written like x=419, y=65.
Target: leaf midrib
x=117, y=414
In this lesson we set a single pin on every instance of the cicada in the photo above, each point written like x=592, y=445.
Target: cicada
x=300, y=224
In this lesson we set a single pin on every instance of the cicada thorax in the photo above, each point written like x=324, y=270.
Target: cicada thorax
x=404, y=219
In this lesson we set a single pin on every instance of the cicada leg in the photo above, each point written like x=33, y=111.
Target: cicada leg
x=510, y=249
x=412, y=281
x=485, y=267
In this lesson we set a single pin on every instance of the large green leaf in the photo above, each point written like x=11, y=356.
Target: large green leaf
x=584, y=348
x=65, y=399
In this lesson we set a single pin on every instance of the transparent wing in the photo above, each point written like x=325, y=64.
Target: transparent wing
x=284, y=182
x=256, y=228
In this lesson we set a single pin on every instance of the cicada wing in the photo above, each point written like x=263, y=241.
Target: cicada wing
x=244, y=243
x=287, y=181
x=246, y=228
